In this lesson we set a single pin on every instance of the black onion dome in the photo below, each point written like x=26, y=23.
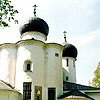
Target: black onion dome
x=35, y=24
x=69, y=51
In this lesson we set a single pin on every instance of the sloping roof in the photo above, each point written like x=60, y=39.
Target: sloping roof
x=74, y=93
x=5, y=86
x=74, y=86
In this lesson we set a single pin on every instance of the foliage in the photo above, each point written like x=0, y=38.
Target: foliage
x=96, y=79
x=7, y=13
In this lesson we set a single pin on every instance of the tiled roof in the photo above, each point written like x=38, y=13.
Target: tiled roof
x=74, y=86
x=5, y=86
x=74, y=93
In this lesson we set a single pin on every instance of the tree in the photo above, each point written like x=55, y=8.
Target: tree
x=7, y=13
x=96, y=79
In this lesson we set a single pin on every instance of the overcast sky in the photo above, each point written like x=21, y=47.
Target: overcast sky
x=81, y=20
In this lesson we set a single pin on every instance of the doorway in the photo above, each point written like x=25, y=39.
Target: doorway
x=51, y=93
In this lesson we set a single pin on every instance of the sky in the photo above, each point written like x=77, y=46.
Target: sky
x=79, y=18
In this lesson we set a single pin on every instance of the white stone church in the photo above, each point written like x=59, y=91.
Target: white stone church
x=32, y=69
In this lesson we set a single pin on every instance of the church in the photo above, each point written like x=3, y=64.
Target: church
x=32, y=69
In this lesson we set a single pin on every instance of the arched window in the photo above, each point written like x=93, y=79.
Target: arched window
x=67, y=62
x=28, y=66
x=66, y=78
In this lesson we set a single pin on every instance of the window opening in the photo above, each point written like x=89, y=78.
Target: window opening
x=28, y=66
x=56, y=54
x=73, y=63
x=66, y=78
x=67, y=62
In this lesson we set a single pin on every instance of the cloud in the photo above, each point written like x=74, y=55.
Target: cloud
x=91, y=37
x=9, y=35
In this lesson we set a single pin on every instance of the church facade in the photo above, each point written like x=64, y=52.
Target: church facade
x=35, y=70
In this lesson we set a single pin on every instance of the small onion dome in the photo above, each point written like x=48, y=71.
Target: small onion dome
x=35, y=24
x=69, y=51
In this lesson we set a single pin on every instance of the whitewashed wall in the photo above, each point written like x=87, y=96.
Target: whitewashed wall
x=35, y=35
x=10, y=95
x=34, y=51
x=8, y=63
x=69, y=70
x=54, y=67
x=75, y=98
x=96, y=96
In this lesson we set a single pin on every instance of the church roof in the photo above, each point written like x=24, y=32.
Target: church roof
x=74, y=86
x=5, y=86
x=74, y=90
x=69, y=51
x=35, y=24
x=74, y=93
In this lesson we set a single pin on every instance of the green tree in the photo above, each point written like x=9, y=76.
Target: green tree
x=96, y=79
x=7, y=13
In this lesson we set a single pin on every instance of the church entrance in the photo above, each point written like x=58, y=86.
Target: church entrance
x=27, y=90
x=51, y=93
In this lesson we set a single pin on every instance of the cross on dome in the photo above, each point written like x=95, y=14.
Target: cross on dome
x=65, y=35
x=35, y=10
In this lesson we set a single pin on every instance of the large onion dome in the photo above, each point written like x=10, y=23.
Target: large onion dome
x=69, y=51
x=35, y=24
